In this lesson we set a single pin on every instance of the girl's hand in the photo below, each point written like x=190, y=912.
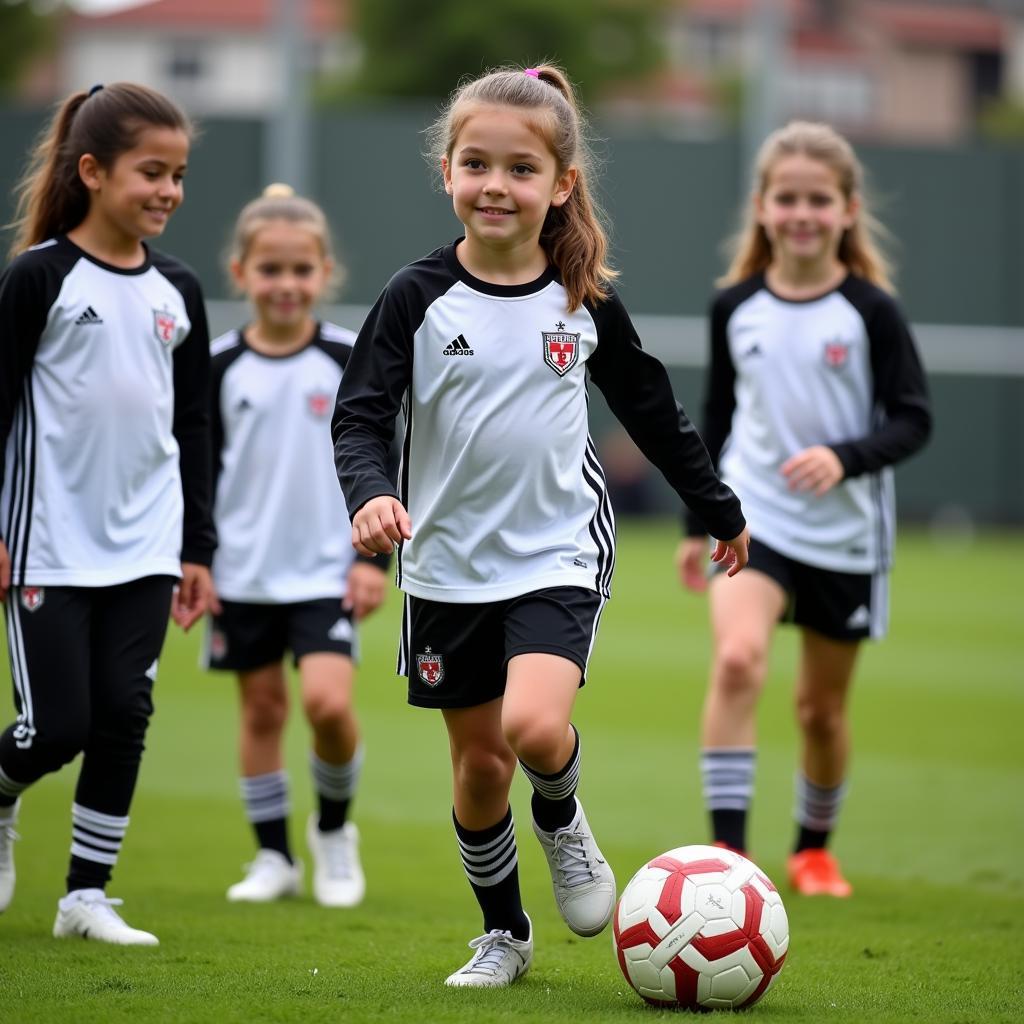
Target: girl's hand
x=379, y=525
x=5, y=571
x=733, y=553
x=815, y=469
x=192, y=596
x=367, y=586
x=690, y=556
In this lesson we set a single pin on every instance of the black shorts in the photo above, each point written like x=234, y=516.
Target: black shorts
x=839, y=605
x=247, y=636
x=456, y=655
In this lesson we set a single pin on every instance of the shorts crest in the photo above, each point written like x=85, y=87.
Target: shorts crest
x=430, y=667
x=32, y=598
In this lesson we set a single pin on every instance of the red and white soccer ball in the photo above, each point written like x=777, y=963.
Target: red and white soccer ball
x=700, y=928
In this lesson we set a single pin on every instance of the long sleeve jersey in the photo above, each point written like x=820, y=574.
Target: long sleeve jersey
x=839, y=370
x=499, y=474
x=104, y=423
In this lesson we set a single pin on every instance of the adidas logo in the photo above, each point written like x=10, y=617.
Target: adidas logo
x=243, y=405
x=340, y=631
x=859, y=619
x=459, y=347
x=90, y=316
x=754, y=350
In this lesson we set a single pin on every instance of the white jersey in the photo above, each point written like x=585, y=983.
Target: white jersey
x=281, y=518
x=838, y=370
x=103, y=395
x=499, y=474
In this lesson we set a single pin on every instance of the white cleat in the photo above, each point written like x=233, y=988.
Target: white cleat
x=7, y=840
x=269, y=877
x=338, y=879
x=89, y=914
x=582, y=879
x=499, y=959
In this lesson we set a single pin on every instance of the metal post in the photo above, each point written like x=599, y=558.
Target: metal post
x=286, y=135
x=762, y=100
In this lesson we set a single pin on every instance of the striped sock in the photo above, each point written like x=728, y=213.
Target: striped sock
x=10, y=790
x=554, y=796
x=816, y=810
x=491, y=862
x=727, y=774
x=335, y=785
x=95, y=843
x=267, y=808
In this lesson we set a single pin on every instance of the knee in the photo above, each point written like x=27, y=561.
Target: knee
x=264, y=714
x=537, y=739
x=54, y=746
x=820, y=720
x=327, y=712
x=740, y=665
x=481, y=772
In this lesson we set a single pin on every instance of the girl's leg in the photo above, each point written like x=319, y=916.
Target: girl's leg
x=539, y=696
x=336, y=762
x=823, y=684
x=744, y=611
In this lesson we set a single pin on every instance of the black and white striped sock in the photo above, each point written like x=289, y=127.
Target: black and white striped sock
x=491, y=862
x=335, y=785
x=95, y=843
x=816, y=809
x=727, y=774
x=10, y=790
x=554, y=796
x=267, y=808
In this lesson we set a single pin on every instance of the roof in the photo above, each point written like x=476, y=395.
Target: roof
x=322, y=15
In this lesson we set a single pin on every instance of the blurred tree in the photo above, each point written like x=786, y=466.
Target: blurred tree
x=1002, y=120
x=416, y=49
x=25, y=31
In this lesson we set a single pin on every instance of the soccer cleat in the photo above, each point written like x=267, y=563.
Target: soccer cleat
x=7, y=840
x=815, y=872
x=269, y=877
x=338, y=879
x=581, y=878
x=732, y=849
x=497, y=961
x=89, y=914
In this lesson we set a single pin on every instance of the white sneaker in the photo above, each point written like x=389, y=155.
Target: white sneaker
x=582, y=879
x=7, y=839
x=269, y=877
x=499, y=959
x=88, y=913
x=338, y=879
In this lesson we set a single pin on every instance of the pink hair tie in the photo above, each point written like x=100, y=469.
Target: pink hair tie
x=532, y=72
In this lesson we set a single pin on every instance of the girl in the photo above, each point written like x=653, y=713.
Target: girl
x=815, y=390
x=285, y=573
x=106, y=493
x=507, y=548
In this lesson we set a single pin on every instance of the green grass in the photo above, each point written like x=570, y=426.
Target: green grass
x=931, y=836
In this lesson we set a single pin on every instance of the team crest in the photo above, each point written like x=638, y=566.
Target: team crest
x=319, y=403
x=164, y=324
x=836, y=354
x=32, y=598
x=561, y=349
x=218, y=644
x=430, y=667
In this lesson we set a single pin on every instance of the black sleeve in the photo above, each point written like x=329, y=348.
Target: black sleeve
x=719, y=397
x=24, y=305
x=638, y=390
x=901, y=390
x=376, y=378
x=192, y=429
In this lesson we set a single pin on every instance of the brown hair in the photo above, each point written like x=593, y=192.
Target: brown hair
x=106, y=122
x=279, y=202
x=860, y=247
x=573, y=235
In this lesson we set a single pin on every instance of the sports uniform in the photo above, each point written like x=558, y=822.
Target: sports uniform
x=106, y=491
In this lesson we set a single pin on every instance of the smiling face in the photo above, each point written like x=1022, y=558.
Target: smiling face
x=804, y=212
x=284, y=273
x=137, y=194
x=503, y=177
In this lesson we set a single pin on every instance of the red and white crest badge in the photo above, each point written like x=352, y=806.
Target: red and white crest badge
x=836, y=354
x=561, y=349
x=319, y=403
x=164, y=324
x=32, y=598
x=430, y=667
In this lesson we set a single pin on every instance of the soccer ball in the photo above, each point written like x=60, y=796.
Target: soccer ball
x=700, y=928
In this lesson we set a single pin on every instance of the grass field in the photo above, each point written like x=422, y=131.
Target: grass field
x=931, y=838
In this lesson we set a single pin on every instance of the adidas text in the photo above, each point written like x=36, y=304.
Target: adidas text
x=459, y=347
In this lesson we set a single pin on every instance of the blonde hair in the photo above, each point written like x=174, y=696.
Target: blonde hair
x=860, y=248
x=106, y=121
x=279, y=202
x=573, y=235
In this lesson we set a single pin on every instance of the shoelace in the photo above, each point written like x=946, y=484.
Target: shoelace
x=571, y=859
x=106, y=905
x=337, y=855
x=490, y=952
x=261, y=864
x=7, y=839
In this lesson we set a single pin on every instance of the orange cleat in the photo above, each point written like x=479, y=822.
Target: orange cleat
x=815, y=872
x=731, y=849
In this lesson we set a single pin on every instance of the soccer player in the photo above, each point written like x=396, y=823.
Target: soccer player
x=285, y=573
x=104, y=366
x=506, y=535
x=815, y=391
